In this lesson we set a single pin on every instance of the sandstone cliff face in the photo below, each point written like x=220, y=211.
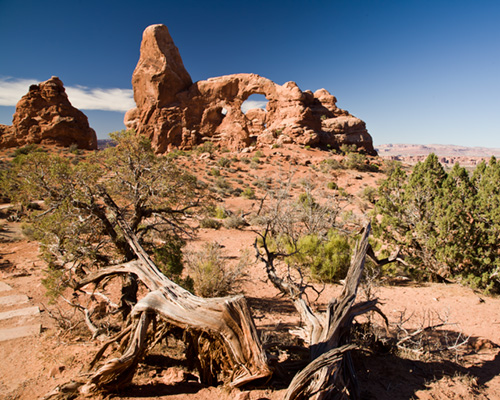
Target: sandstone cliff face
x=174, y=112
x=45, y=116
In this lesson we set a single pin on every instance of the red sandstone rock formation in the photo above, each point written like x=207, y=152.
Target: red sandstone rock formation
x=174, y=112
x=45, y=116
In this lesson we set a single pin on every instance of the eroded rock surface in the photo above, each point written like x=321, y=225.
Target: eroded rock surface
x=174, y=112
x=45, y=116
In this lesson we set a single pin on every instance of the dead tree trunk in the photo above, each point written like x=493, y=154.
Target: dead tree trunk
x=329, y=374
x=223, y=335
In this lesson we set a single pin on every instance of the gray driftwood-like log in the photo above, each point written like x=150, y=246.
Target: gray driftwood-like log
x=223, y=336
x=330, y=374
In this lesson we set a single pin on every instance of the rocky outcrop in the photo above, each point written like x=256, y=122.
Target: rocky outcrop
x=45, y=116
x=174, y=112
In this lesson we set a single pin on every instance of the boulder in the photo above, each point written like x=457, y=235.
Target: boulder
x=174, y=112
x=45, y=116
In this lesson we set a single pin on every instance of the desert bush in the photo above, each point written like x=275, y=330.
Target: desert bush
x=27, y=149
x=234, y=222
x=355, y=161
x=206, y=147
x=332, y=185
x=73, y=149
x=211, y=275
x=220, y=212
x=214, y=172
x=224, y=162
x=348, y=148
x=369, y=194
x=222, y=183
x=210, y=223
x=330, y=164
x=177, y=153
x=168, y=257
x=248, y=193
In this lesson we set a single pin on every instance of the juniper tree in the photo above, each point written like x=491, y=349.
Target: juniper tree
x=77, y=229
x=446, y=224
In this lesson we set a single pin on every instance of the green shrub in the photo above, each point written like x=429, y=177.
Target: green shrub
x=330, y=164
x=168, y=258
x=73, y=149
x=214, y=172
x=446, y=223
x=220, y=212
x=328, y=258
x=248, y=193
x=222, y=183
x=348, y=148
x=54, y=282
x=224, y=162
x=206, y=147
x=332, y=185
x=369, y=194
x=355, y=161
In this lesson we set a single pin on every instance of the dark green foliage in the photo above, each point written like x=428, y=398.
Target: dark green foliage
x=77, y=229
x=447, y=224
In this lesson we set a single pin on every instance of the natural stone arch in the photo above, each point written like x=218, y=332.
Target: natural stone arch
x=174, y=112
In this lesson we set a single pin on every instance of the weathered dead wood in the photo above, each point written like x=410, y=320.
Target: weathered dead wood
x=329, y=375
x=328, y=381
x=227, y=335
x=300, y=388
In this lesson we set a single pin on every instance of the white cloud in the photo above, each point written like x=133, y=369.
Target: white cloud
x=81, y=97
x=11, y=90
x=101, y=99
x=251, y=104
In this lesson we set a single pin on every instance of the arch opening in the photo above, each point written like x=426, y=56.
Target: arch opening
x=254, y=101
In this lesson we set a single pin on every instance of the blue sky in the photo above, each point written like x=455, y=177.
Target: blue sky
x=415, y=71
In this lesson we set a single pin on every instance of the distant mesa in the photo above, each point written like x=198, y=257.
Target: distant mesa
x=45, y=116
x=174, y=112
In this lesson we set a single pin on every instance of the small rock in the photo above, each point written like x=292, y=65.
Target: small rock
x=55, y=370
x=173, y=375
x=242, y=396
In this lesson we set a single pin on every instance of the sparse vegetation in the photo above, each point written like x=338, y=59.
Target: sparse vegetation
x=307, y=235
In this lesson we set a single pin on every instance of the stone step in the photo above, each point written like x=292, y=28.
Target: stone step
x=22, y=312
x=4, y=287
x=19, y=332
x=13, y=300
